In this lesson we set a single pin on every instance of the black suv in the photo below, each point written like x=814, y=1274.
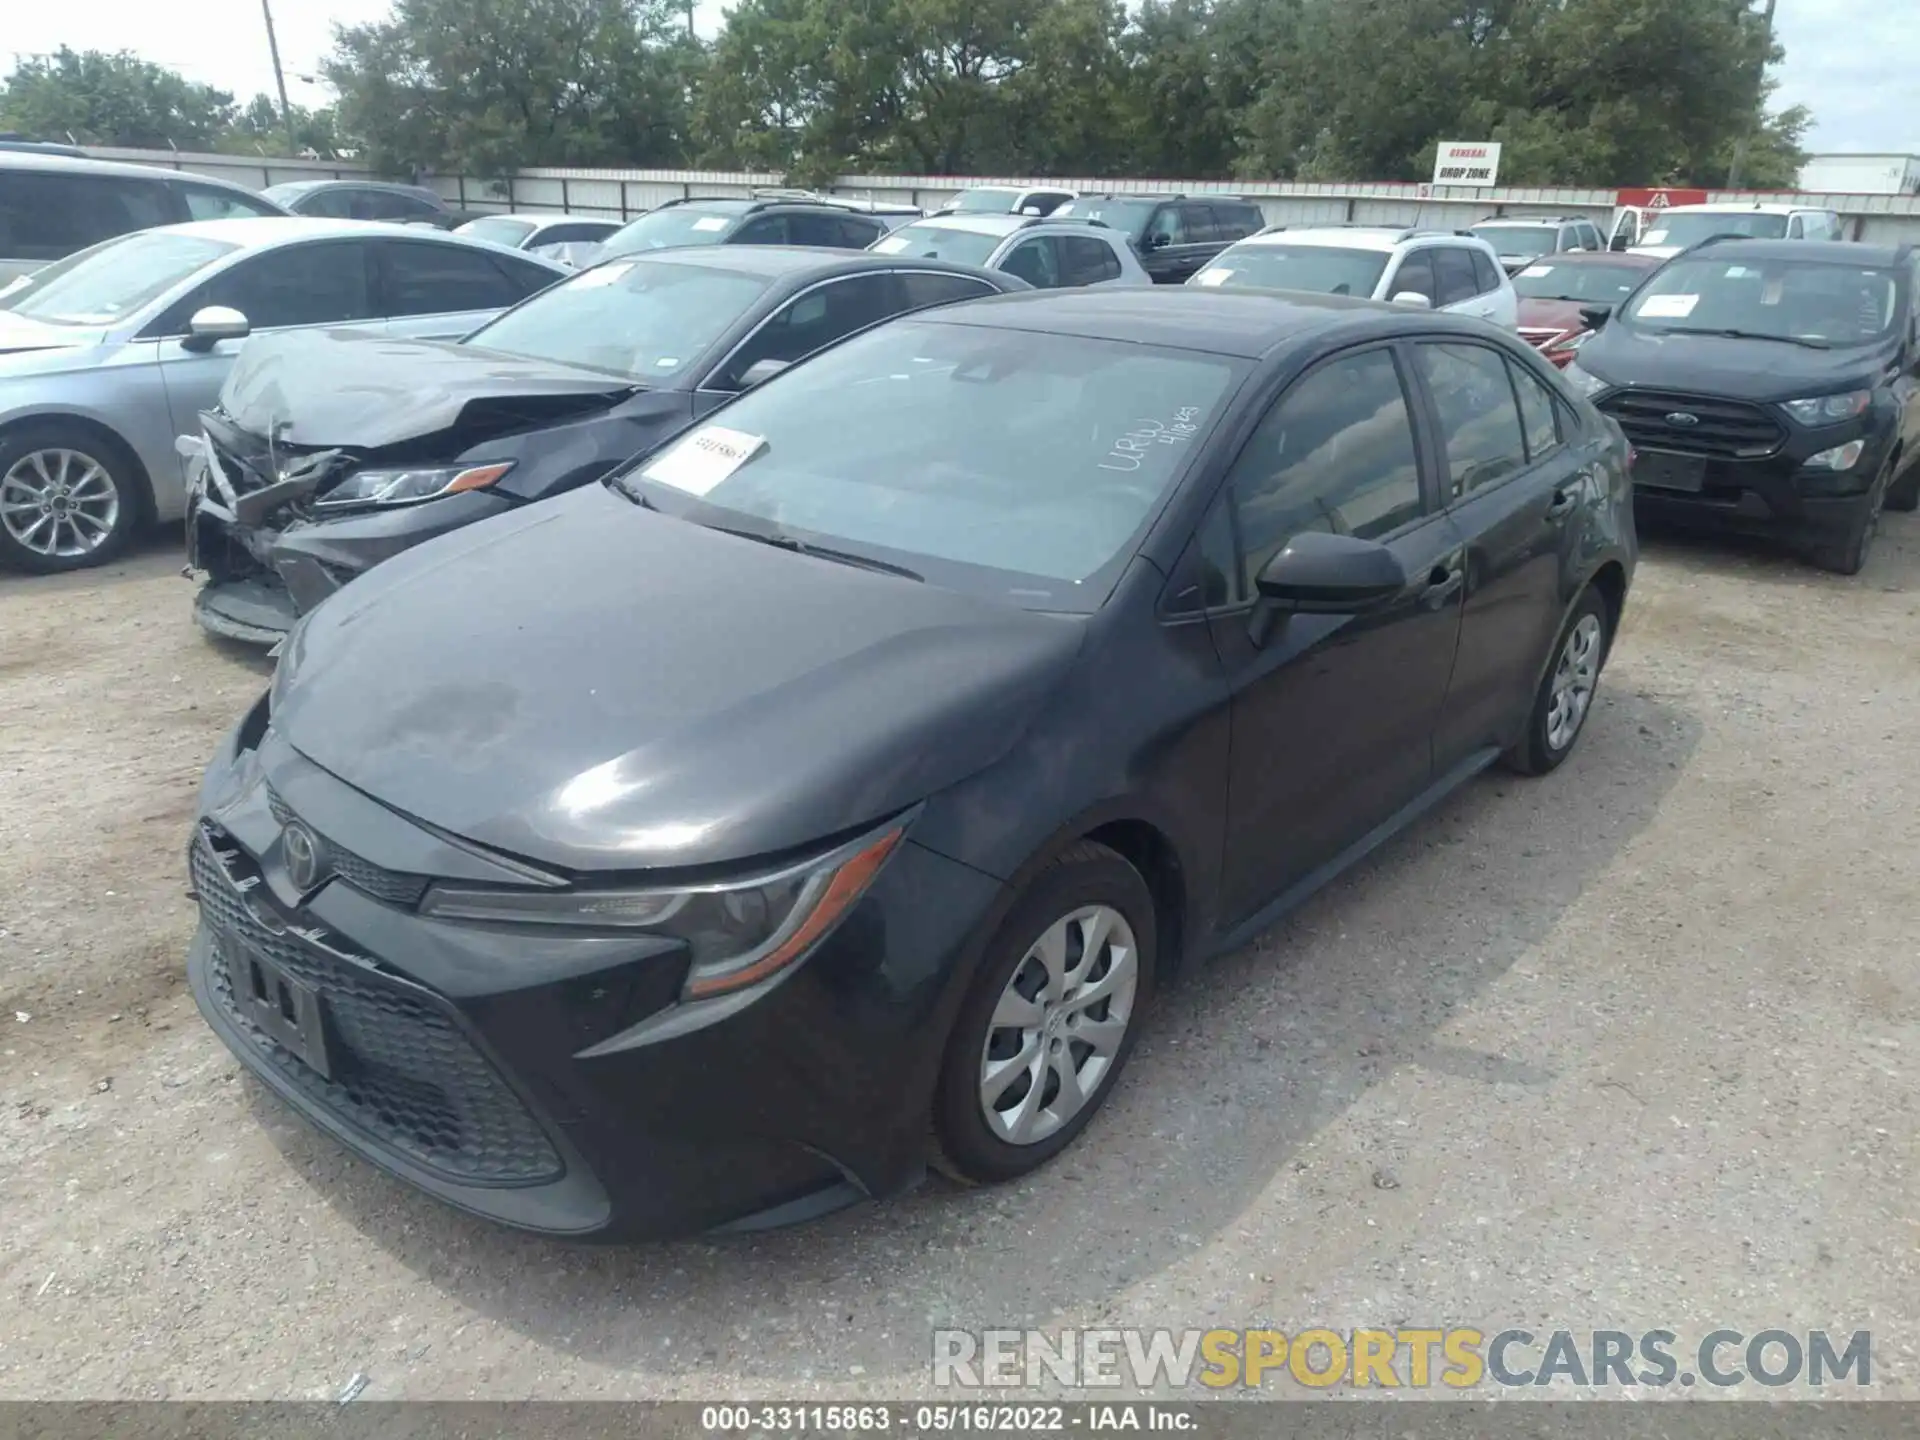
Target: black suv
x=745, y=221
x=1769, y=385
x=1173, y=234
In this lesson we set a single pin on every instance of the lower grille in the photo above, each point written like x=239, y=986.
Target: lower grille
x=1720, y=429
x=393, y=886
x=405, y=1075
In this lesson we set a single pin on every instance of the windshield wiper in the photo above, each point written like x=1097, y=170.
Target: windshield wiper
x=632, y=492
x=1751, y=335
x=781, y=541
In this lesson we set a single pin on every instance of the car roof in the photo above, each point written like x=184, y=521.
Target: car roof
x=1356, y=237
x=986, y=223
x=283, y=229
x=1639, y=259
x=54, y=162
x=1243, y=323
x=809, y=262
x=1825, y=252
x=1736, y=207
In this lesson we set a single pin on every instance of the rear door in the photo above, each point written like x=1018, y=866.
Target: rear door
x=430, y=290
x=1457, y=284
x=1333, y=715
x=1514, y=486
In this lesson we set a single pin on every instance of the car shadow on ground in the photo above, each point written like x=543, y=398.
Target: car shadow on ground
x=1242, y=1064
x=1770, y=561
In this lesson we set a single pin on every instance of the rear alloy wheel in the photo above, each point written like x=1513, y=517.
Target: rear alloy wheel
x=1565, y=697
x=1051, y=1019
x=65, y=502
x=1847, y=555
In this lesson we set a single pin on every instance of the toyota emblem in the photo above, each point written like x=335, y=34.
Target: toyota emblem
x=305, y=861
x=1681, y=417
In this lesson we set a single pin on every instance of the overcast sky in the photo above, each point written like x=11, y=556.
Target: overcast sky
x=1851, y=62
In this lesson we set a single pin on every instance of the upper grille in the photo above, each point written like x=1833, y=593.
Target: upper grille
x=393, y=886
x=404, y=1072
x=1724, y=429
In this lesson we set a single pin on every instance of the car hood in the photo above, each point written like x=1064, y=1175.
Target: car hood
x=595, y=686
x=364, y=390
x=31, y=345
x=1758, y=370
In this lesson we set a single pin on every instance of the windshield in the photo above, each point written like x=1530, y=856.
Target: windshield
x=1601, y=284
x=641, y=318
x=112, y=280
x=1689, y=227
x=291, y=191
x=1022, y=464
x=1526, y=240
x=499, y=229
x=1128, y=216
x=677, y=225
x=1325, y=269
x=985, y=200
x=1788, y=300
x=931, y=241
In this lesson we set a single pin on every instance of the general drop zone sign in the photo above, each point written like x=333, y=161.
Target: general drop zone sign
x=1466, y=162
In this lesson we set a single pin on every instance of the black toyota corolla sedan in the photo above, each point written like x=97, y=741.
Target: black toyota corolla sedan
x=684, y=852
x=331, y=450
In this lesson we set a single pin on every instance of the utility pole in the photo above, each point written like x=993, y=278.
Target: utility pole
x=1759, y=92
x=279, y=79
x=690, y=34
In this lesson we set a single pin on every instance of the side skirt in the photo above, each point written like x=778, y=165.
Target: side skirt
x=1292, y=897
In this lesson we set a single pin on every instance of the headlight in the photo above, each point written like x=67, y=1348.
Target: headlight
x=1826, y=409
x=408, y=486
x=739, y=933
x=1584, y=382
x=1841, y=457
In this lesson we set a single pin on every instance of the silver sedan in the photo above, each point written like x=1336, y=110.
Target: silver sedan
x=108, y=355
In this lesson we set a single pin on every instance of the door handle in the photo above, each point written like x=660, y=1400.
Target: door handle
x=1442, y=583
x=1565, y=498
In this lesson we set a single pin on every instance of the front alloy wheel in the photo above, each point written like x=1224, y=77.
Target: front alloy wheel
x=62, y=504
x=1057, y=1029
x=1050, y=1017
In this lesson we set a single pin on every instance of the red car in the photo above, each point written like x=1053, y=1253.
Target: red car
x=1556, y=288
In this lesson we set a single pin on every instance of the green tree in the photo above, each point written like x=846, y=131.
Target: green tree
x=259, y=129
x=488, y=86
x=99, y=98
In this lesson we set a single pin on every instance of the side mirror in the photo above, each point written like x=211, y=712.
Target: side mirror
x=1619, y=242
x=1318, y=573
x=1596, y=315
x=211, y=325
x=1157, y=242
x=761, y=371
x=1414, y=299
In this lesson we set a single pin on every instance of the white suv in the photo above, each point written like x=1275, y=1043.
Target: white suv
x=1434, y=269
x=1679, y=227
x=1047, y=254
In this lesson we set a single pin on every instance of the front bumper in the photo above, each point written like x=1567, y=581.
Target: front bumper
x=1773, y=496
x=553, y=1081
x=265, y=573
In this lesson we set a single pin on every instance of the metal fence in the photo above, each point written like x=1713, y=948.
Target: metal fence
x=623, y=194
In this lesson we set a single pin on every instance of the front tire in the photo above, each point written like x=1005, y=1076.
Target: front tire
x=1051, y=1018
x=1565, y=697
x=67, y=499
x=1847, y=555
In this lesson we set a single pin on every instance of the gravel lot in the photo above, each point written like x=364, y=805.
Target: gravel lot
x=1637, y=1045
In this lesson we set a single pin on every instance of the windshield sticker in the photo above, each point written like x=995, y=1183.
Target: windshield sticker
x=1145, y=434
x=667, y=362
x=892, y=245
x=711, y=222
x=602, y=275
x=1654, y=237
x=1214, y=277
x=1536, y=272
x=705, y=458
x=1668, y=307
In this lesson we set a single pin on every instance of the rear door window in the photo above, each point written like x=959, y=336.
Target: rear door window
x=857, y=233
x=921, y=288
x=48, y=215
x=210, y=202
x=422, y=278
x=1236, y=221
x=1201, y=226
x=331, y=204
x=1086, y=261
x=1485, y=275
x=808, y=228
x=761, y=230
x=1035, y=261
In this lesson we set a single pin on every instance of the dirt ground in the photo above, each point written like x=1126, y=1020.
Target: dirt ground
x=1637, y=1045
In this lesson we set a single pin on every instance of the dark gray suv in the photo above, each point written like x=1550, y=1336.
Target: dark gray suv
x=1174, y=235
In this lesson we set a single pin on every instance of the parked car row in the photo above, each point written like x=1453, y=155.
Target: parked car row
x=826, y=787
